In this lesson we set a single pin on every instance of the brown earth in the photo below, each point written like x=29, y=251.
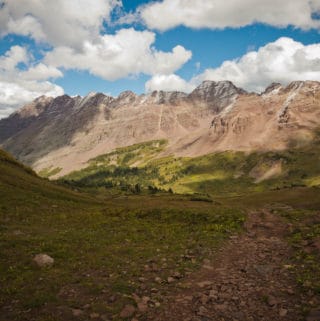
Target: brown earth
x=249, y=279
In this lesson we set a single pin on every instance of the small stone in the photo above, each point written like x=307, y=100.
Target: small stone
x=94, y=316
x=142, y=279
x=142, y=306
x=127, y=311
x=220, y=307
x=112, y=299
x=204, y=299
x=204, y=284
x=158, y=280
x=177, y=275
x=170, y=279
x=43, y=260
x=271, y=301
x=203, y=312
x=145, y=299
x=77, y=312
x=283, y=312
x=157, y=304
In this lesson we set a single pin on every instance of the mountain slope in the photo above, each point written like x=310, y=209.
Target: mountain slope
x=62, y=134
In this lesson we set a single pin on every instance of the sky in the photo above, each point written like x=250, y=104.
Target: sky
x=79, y=46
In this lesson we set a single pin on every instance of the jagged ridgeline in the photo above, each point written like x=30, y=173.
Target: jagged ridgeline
x=57, y=136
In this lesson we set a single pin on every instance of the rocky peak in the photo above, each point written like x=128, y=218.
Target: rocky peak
x=33, y=109
x=93, y=99
x=125, y=98
x=211, y=89
x=217, y=95
x=166, y=97
x=274, y=87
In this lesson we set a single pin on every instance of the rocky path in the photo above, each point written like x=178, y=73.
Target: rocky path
x=250, y=279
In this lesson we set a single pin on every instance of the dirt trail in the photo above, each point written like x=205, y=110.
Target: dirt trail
x=250, y=279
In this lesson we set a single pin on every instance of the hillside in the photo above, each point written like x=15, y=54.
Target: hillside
x=100, y=245
x=58, y=136
x=120, y=253
x=228, y=173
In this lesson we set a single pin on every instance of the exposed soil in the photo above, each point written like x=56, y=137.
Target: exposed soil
x=250, y=279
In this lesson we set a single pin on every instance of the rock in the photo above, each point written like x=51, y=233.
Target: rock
x=142, y=306
x=177, y=275
x=127, y=311
x=213, y=294
x=264, y=269
x=136, y=298
x=154, y=267
x=170, y=279
x=271, y=301
x=145, y=299
x=203, y=312
x=142, y=279
x=220, y=307
x=157, y=304
x=204, y=299
x=43, y=260
x=204, y=284
x=77, y=312
x=112, y=299
x=283, y=312
x=94, y=315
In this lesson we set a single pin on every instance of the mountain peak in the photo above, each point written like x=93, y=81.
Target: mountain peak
x=218, y=94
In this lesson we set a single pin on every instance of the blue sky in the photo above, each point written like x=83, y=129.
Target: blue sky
x=109, y=46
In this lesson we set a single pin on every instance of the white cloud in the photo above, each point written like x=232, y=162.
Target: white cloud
x=56, y=22
x=128, y=52
x=217, y=14
x=283, y=61
x=74, y=29
x=18, y=87
x=168, y=83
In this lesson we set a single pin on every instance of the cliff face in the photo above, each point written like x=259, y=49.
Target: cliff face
x=66, y=132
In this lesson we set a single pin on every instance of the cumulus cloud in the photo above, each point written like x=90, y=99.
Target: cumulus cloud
x=217, y=14
x=74, y=31
x=18, y=87
x=283, y=61
x=128, y=52
x=168, y=83
x=56, y=22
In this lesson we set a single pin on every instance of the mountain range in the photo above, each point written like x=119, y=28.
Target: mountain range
x=66, y=132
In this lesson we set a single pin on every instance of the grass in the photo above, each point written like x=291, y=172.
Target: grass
x=50, y=171
x=115, y=222
x=304, y=235
x=230, y=173
x=101, y=246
